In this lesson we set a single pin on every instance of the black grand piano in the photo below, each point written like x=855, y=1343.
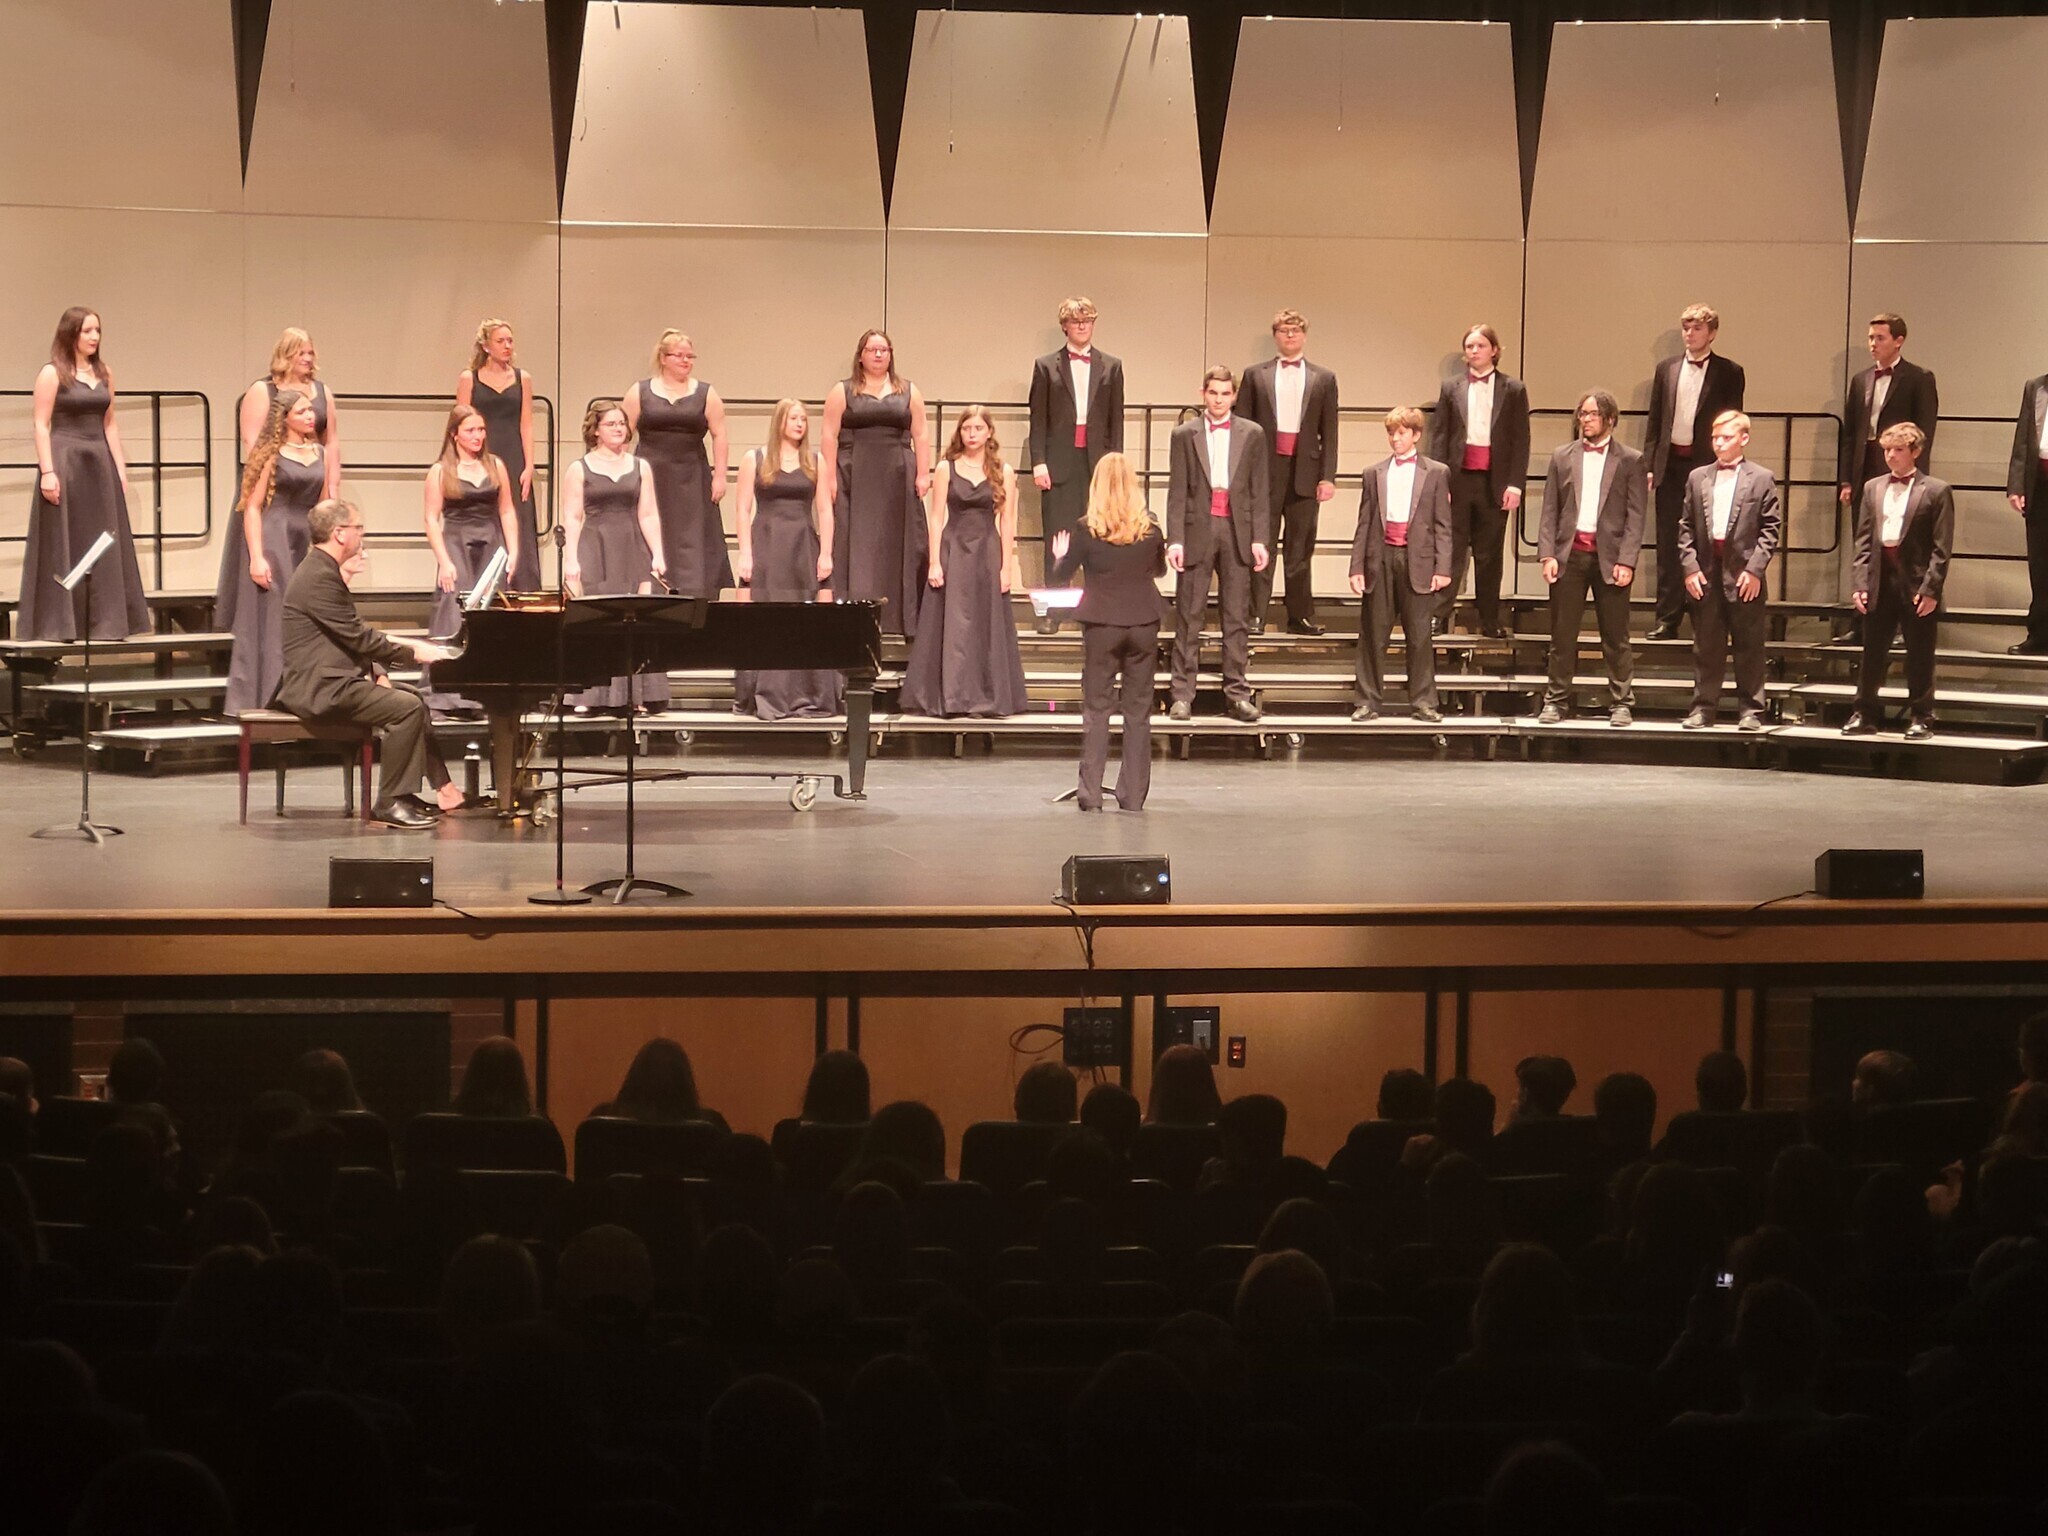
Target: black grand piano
x=513, y=658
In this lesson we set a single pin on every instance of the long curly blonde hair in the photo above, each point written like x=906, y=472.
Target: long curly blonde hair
x=263, y=456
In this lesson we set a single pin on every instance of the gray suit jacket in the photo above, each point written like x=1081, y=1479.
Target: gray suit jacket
x=1624, y=497
x=327, y=646
x=2025, y=470
x=1315, y=446
x=1187, y=495
x=1926, y=538
x=1429, y=524
x=1754, y=523
x=1721, y=390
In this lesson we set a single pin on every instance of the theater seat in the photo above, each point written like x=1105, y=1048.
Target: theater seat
x=1174, y=1154
x=1372, y=1151
x=1748, y=1139
x=1568, y=1144
x=814, y=1154
x=519, y=1202
x=607, y=1144
x=441, y=1140
x=1005, y=1155
x=365, y=1139
x=65, y=1127
x=1925, y=1136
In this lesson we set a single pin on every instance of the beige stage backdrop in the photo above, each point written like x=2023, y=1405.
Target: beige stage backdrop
x=722, y=178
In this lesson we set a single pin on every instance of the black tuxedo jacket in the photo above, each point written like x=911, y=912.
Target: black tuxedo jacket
x=1119, y=588
x=327, y=646
x=1315, y=446
x=1912, y=397
x=1054, y=412
x=1754, y=523
x=1721, y=390
x=1509, y=436
x=1429, y=524
x=2025, y=472
x=1624, y=499
x=1187, y=495
x=1925, y=541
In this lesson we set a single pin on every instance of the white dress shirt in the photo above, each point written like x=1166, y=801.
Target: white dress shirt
x=1290, y=382
x=1725, y=476
x=1079, y=372
x=1400, y=489
x=1479, y=410
x=1685, y=409
x=1218, y=436
x=1592, y=469
x=1896, y=492
x=1880, y=388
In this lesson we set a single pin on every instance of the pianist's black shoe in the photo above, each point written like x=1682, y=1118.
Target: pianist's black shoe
x=401, y=813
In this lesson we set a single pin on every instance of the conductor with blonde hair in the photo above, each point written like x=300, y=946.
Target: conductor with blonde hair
x=1119, y=546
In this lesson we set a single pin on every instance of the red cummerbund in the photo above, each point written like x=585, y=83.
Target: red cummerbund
x=1477, y=458
x=1286, y=440
x=1397, y=535
x=1081, y=434
x=1219, y=503
x=1583, y=542
x=1681, y=450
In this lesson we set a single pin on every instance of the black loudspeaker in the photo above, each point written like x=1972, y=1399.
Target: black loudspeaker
x=1866, y=874
x=1116, y=880
x=380, y=882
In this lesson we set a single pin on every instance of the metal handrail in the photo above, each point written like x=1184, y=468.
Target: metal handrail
x=543, y=451
x=155, y=462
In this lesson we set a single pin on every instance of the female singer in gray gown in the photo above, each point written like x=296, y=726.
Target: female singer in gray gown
x=284, y=479
x=965, y=659
x=496, y=385
x=470, y=516
x=81, y=492
x=877, y=457
x=785, y=533
x=671, y=413
x=614, y=539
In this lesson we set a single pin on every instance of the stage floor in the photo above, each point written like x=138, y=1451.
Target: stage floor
x=982, y=832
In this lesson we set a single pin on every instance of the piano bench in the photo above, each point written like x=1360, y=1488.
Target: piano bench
x=274, y=726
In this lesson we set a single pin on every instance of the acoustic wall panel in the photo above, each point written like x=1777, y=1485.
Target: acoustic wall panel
x=398, y=109
x=1952, y=233
x=722, y=181
x=1696, y=162
x=112, y=104
x=1083, y=124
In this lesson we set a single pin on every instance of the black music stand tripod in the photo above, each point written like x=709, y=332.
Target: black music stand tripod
x=94, y=832
x=558, y=895
x=626, y=615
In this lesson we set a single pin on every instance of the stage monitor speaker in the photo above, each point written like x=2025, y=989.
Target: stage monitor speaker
x=1116, y=880
x=380, y=882
x=1870, y=874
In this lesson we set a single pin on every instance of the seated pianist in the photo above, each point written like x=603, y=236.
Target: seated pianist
x=329, y=659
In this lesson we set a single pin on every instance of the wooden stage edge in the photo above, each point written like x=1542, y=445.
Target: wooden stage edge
x=524, y=951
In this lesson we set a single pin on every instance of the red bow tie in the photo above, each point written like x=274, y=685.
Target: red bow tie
x=1902, y=479
x=1220, y=426
x=1410, y=459
x=1697, y=362
x=1884, y=373
x=1080, y=357
x=1477, y=378
x=1594, y=447
x=1290, y=362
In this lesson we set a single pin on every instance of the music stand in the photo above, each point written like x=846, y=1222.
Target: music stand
x=627, y=613
x=92, y=831
x=558, y=894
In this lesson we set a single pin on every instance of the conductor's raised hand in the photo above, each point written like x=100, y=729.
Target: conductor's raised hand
x=1061, y=543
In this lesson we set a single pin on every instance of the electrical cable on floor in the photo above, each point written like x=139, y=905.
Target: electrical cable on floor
x=479, y=932
x=1741, y=928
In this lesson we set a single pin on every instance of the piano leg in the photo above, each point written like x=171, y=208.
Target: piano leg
x=860, y=701
x=505, y=762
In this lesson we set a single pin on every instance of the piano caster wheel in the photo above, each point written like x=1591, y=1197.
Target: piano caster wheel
x=803, y=794
x=838, y=738
x=545, y=809
x=684, y=738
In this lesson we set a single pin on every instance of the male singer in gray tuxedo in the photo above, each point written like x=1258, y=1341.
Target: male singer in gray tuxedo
x=2026, y=488
x=1296, y=402
x=1218, y=520
x=1480, y=428
x=1889, y=391
x=1687, y=393
x=1590, y=539
x=1727, y=533
x=1400, y=560
x=1905, y=533
x=1077, y=415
